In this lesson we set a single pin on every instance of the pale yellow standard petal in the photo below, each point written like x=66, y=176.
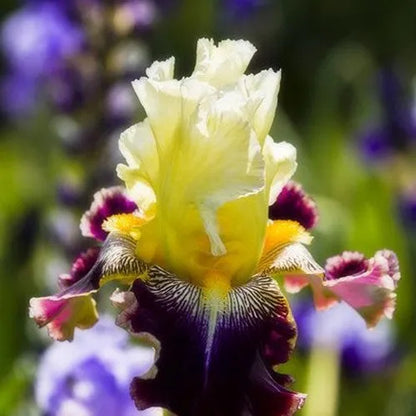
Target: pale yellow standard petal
x=201, y=166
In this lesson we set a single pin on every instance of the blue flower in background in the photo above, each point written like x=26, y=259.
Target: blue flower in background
x=91, y=375
x=342, y=328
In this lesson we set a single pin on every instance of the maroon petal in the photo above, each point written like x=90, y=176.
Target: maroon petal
x=213, y=362
x=107, y=202
x=294, y=204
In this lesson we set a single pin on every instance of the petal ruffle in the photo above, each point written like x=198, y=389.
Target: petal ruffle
x=213, y=362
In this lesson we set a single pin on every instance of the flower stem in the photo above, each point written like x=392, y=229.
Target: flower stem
x=323, y=381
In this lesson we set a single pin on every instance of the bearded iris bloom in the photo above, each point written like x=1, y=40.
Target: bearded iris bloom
x=200, y=254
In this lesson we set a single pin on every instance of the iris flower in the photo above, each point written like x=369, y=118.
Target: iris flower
x=199, y=253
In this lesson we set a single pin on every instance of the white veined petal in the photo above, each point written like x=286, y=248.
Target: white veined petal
x=280, y=162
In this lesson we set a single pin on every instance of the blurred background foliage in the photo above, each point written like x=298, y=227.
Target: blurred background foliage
x=347, y=102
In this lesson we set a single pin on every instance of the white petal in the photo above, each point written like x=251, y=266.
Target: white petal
x=161, y=71
x=280, y=161
x=262, y=88
x=223, y=64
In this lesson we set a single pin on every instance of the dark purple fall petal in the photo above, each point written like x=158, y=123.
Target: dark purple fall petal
x=212, y=364
x=107, y=202
x=294, y=204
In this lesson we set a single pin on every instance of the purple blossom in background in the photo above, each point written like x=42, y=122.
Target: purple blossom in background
x=91, y=375
x=48, y=38
x=342, y=328
x=397, y=129
x=18, y=94
x=407, y=208
x=244, y=7
x=36, y=52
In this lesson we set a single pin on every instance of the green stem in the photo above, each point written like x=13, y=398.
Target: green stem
x=323, y=381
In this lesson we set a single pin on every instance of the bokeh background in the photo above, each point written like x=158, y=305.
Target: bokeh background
x=347, y=101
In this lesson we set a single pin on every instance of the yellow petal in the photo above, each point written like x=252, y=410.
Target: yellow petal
x=280, y=234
